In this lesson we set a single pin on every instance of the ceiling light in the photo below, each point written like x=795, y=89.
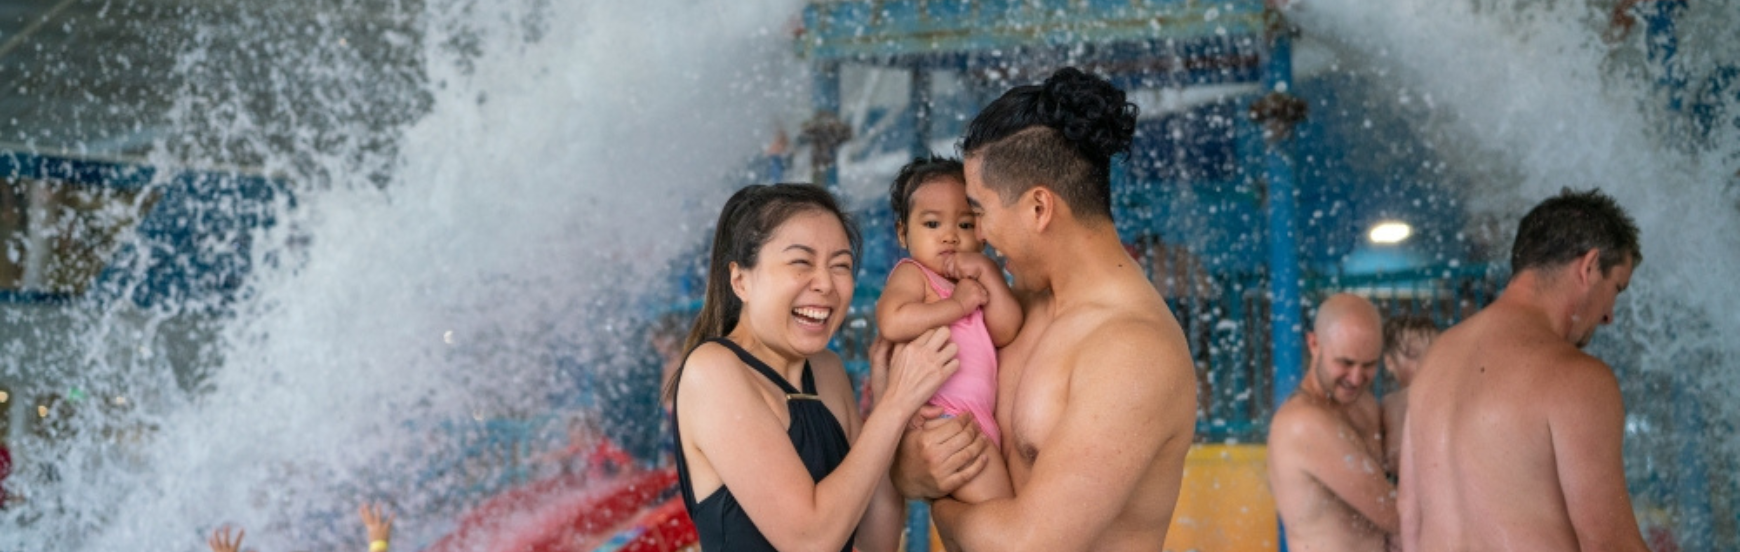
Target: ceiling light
x=1390, y=232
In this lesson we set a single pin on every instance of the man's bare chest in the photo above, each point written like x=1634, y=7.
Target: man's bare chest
x=1033, y=388
x=1363, y=424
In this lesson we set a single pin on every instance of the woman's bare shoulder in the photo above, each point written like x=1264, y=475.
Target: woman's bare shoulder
x=710, y=367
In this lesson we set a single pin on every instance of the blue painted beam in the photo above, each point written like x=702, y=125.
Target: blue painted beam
x=864, y=29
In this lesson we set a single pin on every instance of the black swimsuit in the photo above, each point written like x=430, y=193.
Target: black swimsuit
x=815, y=433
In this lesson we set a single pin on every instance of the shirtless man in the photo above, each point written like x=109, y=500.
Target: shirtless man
x=1513, y=435
x=1096, y=395
x=1326, y=442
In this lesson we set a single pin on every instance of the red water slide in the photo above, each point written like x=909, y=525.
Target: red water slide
x=638, y=511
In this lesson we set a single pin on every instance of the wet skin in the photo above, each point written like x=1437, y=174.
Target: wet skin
x=1325, y=442
x=1096, y=394
x=1513, y=437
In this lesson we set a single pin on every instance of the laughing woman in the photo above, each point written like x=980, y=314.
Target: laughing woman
x=764, y=414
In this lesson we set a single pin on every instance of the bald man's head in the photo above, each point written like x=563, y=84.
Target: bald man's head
x=1346, y=342
x=1347, y=308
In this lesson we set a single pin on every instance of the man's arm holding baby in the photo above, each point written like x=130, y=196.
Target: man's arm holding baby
x=1120, y=415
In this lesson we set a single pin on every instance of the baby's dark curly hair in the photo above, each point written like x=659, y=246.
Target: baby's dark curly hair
x=914, y=175
x=1062, y=133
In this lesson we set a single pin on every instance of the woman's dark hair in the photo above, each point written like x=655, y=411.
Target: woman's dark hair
x=914, y=175
x=746, y=222
x=1062, y=133
x=1567, y=226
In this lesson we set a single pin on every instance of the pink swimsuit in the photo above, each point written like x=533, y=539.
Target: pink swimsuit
x=973, y=388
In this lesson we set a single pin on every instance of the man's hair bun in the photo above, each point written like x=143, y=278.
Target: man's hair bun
x=1089, y=112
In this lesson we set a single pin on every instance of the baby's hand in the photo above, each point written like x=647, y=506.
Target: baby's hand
x=971, y=294
x=971, y=265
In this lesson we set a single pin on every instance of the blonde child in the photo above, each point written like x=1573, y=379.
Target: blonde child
x=1406, y=338
x=948, y=281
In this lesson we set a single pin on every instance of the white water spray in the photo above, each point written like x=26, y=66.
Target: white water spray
x=483, y=193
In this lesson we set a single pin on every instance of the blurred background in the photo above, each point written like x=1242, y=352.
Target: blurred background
x=266, y=260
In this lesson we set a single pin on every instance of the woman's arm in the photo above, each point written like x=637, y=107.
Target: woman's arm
x=884, y=521
x=902, y=313
x=742, y=444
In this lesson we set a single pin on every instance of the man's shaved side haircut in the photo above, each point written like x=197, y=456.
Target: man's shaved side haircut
x=1040, y=155
x=1061, y=134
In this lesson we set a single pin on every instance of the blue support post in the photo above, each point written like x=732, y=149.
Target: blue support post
x=1285, y=285
x=826, y=97
x=1285, y=282
x=918, y=102
x=917, y=526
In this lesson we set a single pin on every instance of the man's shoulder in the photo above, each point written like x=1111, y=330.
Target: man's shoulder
x=1140, y=338
x=1137, y=319
x=1577, y=376
x=1300, y=418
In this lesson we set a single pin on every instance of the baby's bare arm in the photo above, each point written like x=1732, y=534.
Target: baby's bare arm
x=1002, y=310
x=903, y=314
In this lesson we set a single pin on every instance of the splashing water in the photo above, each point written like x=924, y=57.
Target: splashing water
x=481, y=193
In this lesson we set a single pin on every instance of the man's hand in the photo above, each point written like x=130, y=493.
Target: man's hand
x=937, y=455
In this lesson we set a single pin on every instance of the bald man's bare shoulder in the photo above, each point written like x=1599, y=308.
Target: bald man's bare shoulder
x=1300, y=419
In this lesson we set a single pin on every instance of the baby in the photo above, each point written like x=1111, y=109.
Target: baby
x=948, y=281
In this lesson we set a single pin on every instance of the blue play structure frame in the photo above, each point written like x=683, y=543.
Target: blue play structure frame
x=167, y=259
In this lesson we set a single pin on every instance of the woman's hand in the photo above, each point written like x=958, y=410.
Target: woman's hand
x=917, y=369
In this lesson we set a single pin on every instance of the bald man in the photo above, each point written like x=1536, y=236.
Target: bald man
x=1325, y=443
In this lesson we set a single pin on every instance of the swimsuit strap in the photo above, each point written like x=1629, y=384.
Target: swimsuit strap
x=791, y=393
x=937, y=281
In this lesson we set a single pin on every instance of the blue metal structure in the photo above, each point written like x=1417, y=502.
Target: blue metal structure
x=1285, y=287
x=191, y=243
x=1123, y=34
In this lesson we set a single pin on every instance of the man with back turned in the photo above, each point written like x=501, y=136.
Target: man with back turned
x=1513, y=435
